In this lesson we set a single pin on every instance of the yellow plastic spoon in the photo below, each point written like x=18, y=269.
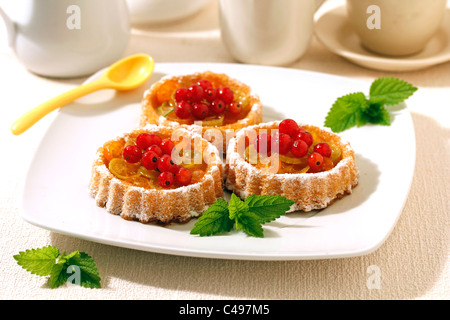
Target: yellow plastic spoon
x=126, y=74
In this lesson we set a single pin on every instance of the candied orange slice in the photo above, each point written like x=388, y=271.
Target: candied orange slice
x=251, y=155
x=243, y=99
x=190, y=159
x=213, y=121
x=151, y=174
x=165, y=109
x=122, y=169
x=164, y=92
x=292, y=160
x=130, y=141
x=115, y=149
x=335, y=154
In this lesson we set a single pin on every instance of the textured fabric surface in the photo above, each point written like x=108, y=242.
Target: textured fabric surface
x=413, y=263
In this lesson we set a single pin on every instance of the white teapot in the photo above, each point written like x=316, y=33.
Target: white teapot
x=67, y=38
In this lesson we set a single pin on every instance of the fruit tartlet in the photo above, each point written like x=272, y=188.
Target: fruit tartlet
x=211, y=100
x=157, y=174
x=307, y=164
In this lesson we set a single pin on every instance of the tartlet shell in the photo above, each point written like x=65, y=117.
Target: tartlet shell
x=310, y=191
x=151, y=205
x=149, y=115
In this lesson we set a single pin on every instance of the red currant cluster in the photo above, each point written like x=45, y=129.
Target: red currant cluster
x=296, y=140
x=154, y=153
x=201, y=100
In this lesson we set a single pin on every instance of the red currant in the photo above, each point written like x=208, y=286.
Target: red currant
x=281, y=142
x=299, y=148
x=166, y=164
x=226, y=95
x=305, y=136
x=205, y=84
x=217, y=107
x=323, y=148
x=263, y=143
x=288, y=126
x=150, y=160
x=167, y=145
x=156, y=149
x=200, y=110
x=315, y=161
x=183, y=110
x=210, y=94
x=145, y=140
x=195, y=93
x=132, y=153
x=181, y=94
x=235, y=107
x=166, y=179
x=183, y=177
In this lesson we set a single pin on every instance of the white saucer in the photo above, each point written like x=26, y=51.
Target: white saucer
x=335, y=32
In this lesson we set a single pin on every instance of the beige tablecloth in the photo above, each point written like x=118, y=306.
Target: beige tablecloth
x=413, y=262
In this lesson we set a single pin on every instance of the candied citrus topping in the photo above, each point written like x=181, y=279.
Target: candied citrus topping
x=165, y=109
x=144, y=166
x=212, y=103
x=151, y=174
x=213, y=121
x=303, y=152
x=122, y=169
x=114, y=150
x=166, y=90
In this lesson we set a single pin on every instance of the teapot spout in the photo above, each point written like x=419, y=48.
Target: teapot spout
x=10, y=27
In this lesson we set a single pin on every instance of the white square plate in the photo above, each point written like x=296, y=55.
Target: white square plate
x=56, y=194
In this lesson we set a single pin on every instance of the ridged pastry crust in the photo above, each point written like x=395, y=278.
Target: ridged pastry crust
x=131, y=202
x=310, y=191
x=150, y=115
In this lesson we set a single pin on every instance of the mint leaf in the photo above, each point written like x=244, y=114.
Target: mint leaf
x=248, y=215
x=83, y=263
x=38, y=261
x=58, y=277
x=377, y=114
x=48, y=261
x=236, y=207
x=214, y=220
x=250, y=224
x=392, y=90
x=347, y=112
x=269, y=207
x=356, y=109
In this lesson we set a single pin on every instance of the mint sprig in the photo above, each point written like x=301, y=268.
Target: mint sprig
x=355, y=109
x=248, y=215
x=77, y=267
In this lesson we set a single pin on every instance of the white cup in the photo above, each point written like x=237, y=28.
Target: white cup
x=395, y=27
x=66, y=38
x=269, y=32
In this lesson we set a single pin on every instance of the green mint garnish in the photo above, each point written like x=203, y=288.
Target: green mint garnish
x=76, y=267
x=248, y=215
x=356, y=109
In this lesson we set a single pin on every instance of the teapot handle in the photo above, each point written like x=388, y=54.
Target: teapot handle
x=10, y=27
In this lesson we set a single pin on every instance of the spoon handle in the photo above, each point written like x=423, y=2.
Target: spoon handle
x=34, y=115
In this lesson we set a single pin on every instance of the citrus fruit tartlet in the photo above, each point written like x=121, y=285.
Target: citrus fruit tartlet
x=211, y=100
x=304, y=163
x=157, y=174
